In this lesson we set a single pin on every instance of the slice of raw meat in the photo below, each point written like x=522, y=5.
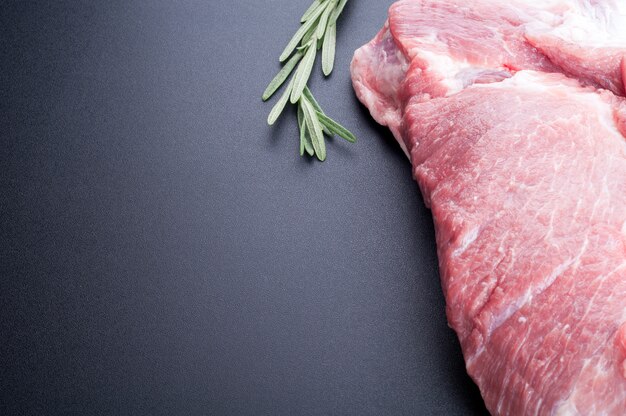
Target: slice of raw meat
x=524, y=169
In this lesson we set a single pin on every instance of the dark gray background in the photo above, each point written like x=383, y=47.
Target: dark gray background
x=163, y=251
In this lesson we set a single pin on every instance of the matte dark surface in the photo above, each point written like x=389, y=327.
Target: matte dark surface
x=164, y=252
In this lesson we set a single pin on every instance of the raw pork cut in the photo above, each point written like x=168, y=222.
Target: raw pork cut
x=512, y=114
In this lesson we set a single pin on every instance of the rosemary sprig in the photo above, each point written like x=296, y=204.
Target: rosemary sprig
x=318, y=30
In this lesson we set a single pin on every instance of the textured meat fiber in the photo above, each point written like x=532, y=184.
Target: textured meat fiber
x=513, y=118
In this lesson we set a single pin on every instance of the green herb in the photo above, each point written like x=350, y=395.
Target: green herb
x=335, y=127
x=303, y=72
x=318, y=30
x=312, y=8
x=280, y=105
x=314, y=127
x=282, y=76
x=328, y=49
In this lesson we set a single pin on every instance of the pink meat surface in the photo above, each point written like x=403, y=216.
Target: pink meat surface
x=513, y=118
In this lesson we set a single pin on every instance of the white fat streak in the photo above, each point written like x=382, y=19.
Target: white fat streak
x=529, y=80
x=567, y=408
x=539, y=82
x=532, y=292
x=583, y=22
x=446, y=66
x=467, y=239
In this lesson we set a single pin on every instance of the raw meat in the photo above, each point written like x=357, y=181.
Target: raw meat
x=513, y=118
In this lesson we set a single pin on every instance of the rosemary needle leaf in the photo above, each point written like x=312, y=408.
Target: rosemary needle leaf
x=301, y=127
x=335, y=127
x=309, y=96
x=300, y=117
x=315, y=128
x=305, y=136
x=310, y=10
x=308, y=145
x=321, y=26
x=328, y=49
x=303, y=73
x=280, y=105
x=299, y=35
x=337, y=12
x=305, y=139
x=282, y=75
